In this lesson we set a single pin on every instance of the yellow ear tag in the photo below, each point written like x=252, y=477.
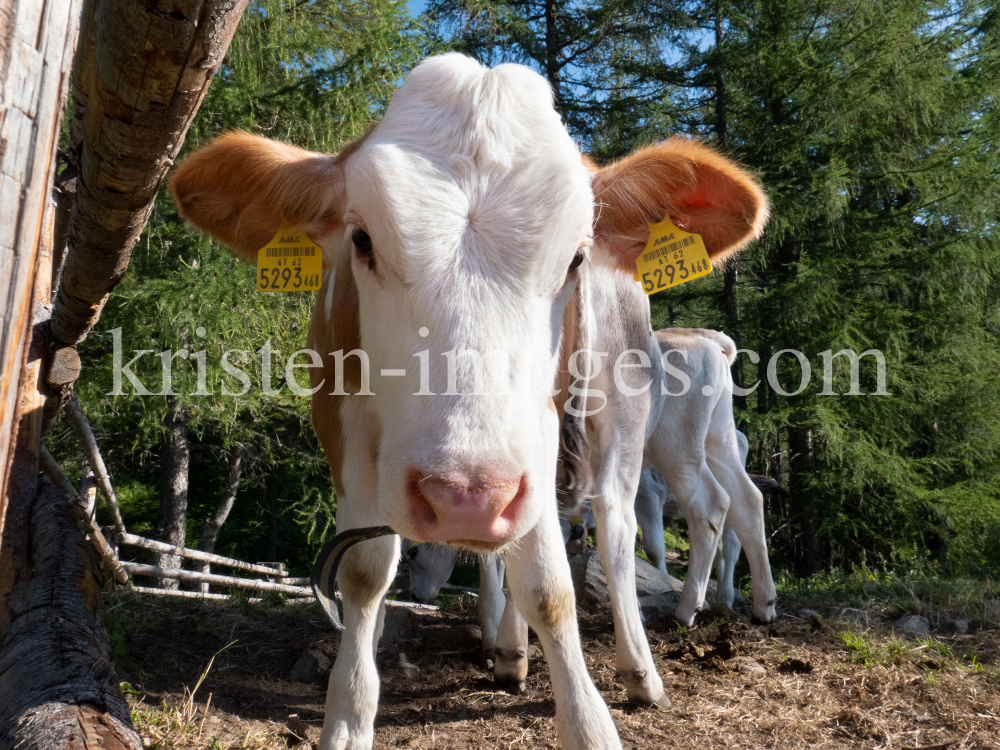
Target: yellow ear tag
x=291, y=262
x=671, y=257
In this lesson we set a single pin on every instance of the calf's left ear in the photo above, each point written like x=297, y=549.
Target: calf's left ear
x=239, y=188
x=702, y=191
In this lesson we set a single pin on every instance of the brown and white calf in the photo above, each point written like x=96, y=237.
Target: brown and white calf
x=457, y=224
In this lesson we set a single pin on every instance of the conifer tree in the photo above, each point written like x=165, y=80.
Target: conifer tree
x=872, y=126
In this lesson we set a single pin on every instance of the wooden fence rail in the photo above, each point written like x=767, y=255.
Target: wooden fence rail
x=231, y=581
x=132, y=540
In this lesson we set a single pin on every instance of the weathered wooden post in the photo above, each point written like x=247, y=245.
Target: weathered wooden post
x=139, y=74
x=36, y=52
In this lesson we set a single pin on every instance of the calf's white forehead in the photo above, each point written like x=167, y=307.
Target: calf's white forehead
x=469, y=157
x=453, y=105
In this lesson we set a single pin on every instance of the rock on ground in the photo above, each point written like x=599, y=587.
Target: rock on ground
x=310, y=667
x=400, y=621
x=914, y=625
x=961, y=627
x=591, y=583
x=659, y=605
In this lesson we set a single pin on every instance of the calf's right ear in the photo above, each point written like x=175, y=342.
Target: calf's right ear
x=240, y=186
x=702, y=191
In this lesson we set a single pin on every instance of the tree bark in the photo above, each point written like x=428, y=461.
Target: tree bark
x=18, y=494
x=36, y=51
x=731, y=274
x=271, y=544
x=553, y=70
x=88, y=488
x=801, y=465
x=58, y=687
x=139, y=77
x=65, y=194
x=721, y=121
x=176, y=460
x=210, y=531
x=74, y=411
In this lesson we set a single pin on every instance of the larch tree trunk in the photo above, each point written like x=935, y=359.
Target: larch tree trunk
x=140, y=73
x=273, y=505
x=210, y=531
x=731, y=273
x=176, y=463
x=58, y=687
x=801, y=465
x=553, y=69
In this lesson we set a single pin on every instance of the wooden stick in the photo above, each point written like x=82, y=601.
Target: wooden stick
x=463, y=589
x=296, y=600
x=193, y=577
x=178, y=592
x=407, y=605
x=196, y=554
x=79, y=507
x=86, y=435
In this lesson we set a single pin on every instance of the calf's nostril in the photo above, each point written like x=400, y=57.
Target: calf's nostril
x=420, y=507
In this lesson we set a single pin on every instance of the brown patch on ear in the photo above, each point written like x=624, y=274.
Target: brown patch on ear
x=340, y=331
x=703, y=192
x=240, y=186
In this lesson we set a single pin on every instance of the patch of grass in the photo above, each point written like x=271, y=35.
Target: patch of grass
x=929, y=654
x=677, y=542
x=860, y=648
x=175, y=726
x=893, y=592
x=870, y=651
x=273, y=599
x=936, y=648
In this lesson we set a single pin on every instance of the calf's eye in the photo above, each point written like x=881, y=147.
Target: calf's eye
x=361, y=241
x=577, y=260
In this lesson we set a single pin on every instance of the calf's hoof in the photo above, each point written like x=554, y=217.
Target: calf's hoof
x=510, y=669
x=769, y=614
x=641, y=689
x=341, y=739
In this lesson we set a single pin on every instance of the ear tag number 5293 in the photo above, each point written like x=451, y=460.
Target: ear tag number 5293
x=291, y=262
x=671, y=257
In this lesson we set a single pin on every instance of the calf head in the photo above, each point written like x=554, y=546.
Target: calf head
x=453, y=233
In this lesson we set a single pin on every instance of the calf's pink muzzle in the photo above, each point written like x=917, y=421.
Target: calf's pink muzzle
x=465, y=508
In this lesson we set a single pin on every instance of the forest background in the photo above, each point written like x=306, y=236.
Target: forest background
x=874, y=127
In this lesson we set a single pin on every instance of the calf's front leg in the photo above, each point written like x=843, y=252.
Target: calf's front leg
x=539, y=578
x=352, y=696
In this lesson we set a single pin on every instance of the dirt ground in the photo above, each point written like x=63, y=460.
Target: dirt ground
x=794, y=683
